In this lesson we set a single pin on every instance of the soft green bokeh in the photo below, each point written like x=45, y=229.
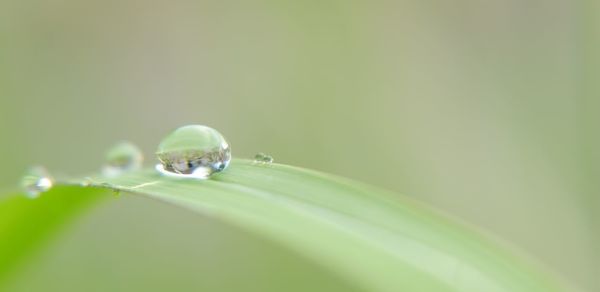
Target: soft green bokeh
x=488, y=110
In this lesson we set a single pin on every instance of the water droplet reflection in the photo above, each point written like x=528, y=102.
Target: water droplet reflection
x=193, y=151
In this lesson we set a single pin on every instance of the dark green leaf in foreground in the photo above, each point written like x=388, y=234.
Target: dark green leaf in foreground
x=372, y=239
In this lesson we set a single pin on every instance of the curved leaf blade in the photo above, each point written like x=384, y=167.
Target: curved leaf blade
x=377, y=240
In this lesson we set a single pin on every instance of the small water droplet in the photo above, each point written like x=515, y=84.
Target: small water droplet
x=36, y=181
x=193, y=151
x=86, y=182
x=263, y=158
x=122, y=157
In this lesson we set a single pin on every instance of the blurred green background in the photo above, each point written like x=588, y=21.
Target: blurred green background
x=488, y=110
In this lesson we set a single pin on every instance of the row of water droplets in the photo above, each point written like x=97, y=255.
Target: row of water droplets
x=193, y=151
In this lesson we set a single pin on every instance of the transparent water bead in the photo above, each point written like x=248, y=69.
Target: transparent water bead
x=122, y=157
x=193, y=151
x=263, y=158
x=36, y=181
x=86, y=182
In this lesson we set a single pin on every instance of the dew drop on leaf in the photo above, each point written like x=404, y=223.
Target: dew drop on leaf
x=121, y=158
x=193, y=151
x=36, y=181
x=86, y=182
x=262, y=158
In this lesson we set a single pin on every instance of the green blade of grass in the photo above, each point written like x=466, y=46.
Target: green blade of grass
x=373, y=239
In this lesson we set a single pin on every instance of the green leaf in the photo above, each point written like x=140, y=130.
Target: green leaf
x=373, y=239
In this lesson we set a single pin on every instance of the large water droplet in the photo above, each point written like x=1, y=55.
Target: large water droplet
x=263, y=158
x=36, y=181
x=193, y=151
x=122, y=157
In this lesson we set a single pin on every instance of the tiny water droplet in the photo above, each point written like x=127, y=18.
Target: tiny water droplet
x=86, y=182
x=122, y=157
x=36, y=181
x=263, y=158
x=193, y=151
